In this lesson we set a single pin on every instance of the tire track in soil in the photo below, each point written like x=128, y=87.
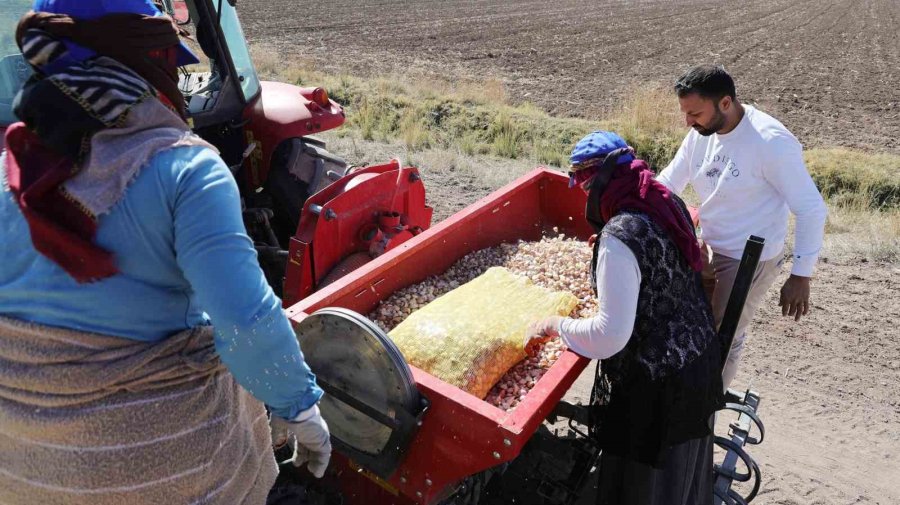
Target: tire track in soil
x=737, y=32
x=846, y=79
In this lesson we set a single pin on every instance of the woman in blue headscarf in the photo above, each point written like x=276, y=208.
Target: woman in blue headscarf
x=134, y=318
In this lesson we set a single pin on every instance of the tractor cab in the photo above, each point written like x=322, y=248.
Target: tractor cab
x=226, y=101
x=224, y=85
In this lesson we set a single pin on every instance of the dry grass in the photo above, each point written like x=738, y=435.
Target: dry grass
x=506, y=135
x=852, y=232
x=649, y=110
x=856, y=179
x=413, y=133
x=859, y=233
x=270, y=64
x=649, y=113
x=458, y=125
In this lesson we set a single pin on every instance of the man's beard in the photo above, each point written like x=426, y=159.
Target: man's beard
x=715, y=124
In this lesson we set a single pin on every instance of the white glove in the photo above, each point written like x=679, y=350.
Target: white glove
x=312, y=441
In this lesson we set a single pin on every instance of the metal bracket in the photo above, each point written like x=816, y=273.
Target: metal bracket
x=746, y=410
x=726, y=473
x=404, y=428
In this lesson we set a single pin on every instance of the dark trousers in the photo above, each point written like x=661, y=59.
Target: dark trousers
x=685, y=478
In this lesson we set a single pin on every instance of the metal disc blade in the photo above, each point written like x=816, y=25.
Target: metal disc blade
x=361, y=367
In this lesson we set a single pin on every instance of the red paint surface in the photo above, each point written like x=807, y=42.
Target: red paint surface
x=283, y=111
x=320, y=244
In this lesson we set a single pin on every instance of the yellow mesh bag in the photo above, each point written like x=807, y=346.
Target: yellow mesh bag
x=473, y=335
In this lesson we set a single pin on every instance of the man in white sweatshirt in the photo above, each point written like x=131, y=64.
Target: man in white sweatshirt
x=748, y=171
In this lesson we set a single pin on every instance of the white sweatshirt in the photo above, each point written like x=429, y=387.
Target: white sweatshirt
x=618, y=285
x=747, y=181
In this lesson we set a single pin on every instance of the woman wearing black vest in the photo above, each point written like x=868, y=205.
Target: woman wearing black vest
x=659, y=378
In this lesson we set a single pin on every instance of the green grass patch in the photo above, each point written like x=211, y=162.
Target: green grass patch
x=856, y=179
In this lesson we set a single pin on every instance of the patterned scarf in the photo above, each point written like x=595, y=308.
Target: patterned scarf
x=88, y=128
x=144, y=44
x=633, y=187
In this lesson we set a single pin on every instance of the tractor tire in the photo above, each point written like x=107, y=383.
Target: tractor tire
x=288, y=195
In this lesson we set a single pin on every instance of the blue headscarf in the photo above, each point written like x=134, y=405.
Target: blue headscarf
x=93, y=9
x=597, y=145
x=591, y=151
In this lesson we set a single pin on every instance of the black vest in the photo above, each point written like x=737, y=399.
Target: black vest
x=662, y=388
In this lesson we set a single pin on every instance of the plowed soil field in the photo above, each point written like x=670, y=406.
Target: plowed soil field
x=829, y=69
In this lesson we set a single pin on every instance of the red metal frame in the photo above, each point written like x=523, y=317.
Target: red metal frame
x=283, y=111
x=461, y=435
x=325, y=238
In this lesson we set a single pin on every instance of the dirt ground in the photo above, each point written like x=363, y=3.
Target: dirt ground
x=829, y=389
x=829, y=384
x=829, y=69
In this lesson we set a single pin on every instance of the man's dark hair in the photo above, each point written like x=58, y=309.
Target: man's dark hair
x=708, y=81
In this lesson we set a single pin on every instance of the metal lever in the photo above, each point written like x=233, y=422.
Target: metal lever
x=246, y=154
x=726, y=473
x=739, y=292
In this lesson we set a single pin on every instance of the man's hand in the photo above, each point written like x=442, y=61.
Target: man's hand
x=539, y=332
x=592, y=240
x=795, y=297
x=312, y=440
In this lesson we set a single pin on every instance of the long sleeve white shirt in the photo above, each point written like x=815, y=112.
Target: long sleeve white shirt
x=618, y=285
x=748, y=180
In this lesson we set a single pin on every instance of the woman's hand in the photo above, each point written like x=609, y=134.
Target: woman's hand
x=312, y=440
x=539, y=332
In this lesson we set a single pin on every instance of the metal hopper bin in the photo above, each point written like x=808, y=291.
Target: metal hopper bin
x=446, y=434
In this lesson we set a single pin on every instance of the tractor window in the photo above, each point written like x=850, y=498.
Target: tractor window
x=240, y=53
x=13, y=69
x=200, y=83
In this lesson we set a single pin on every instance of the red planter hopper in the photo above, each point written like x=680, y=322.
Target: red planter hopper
x=460, y=434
